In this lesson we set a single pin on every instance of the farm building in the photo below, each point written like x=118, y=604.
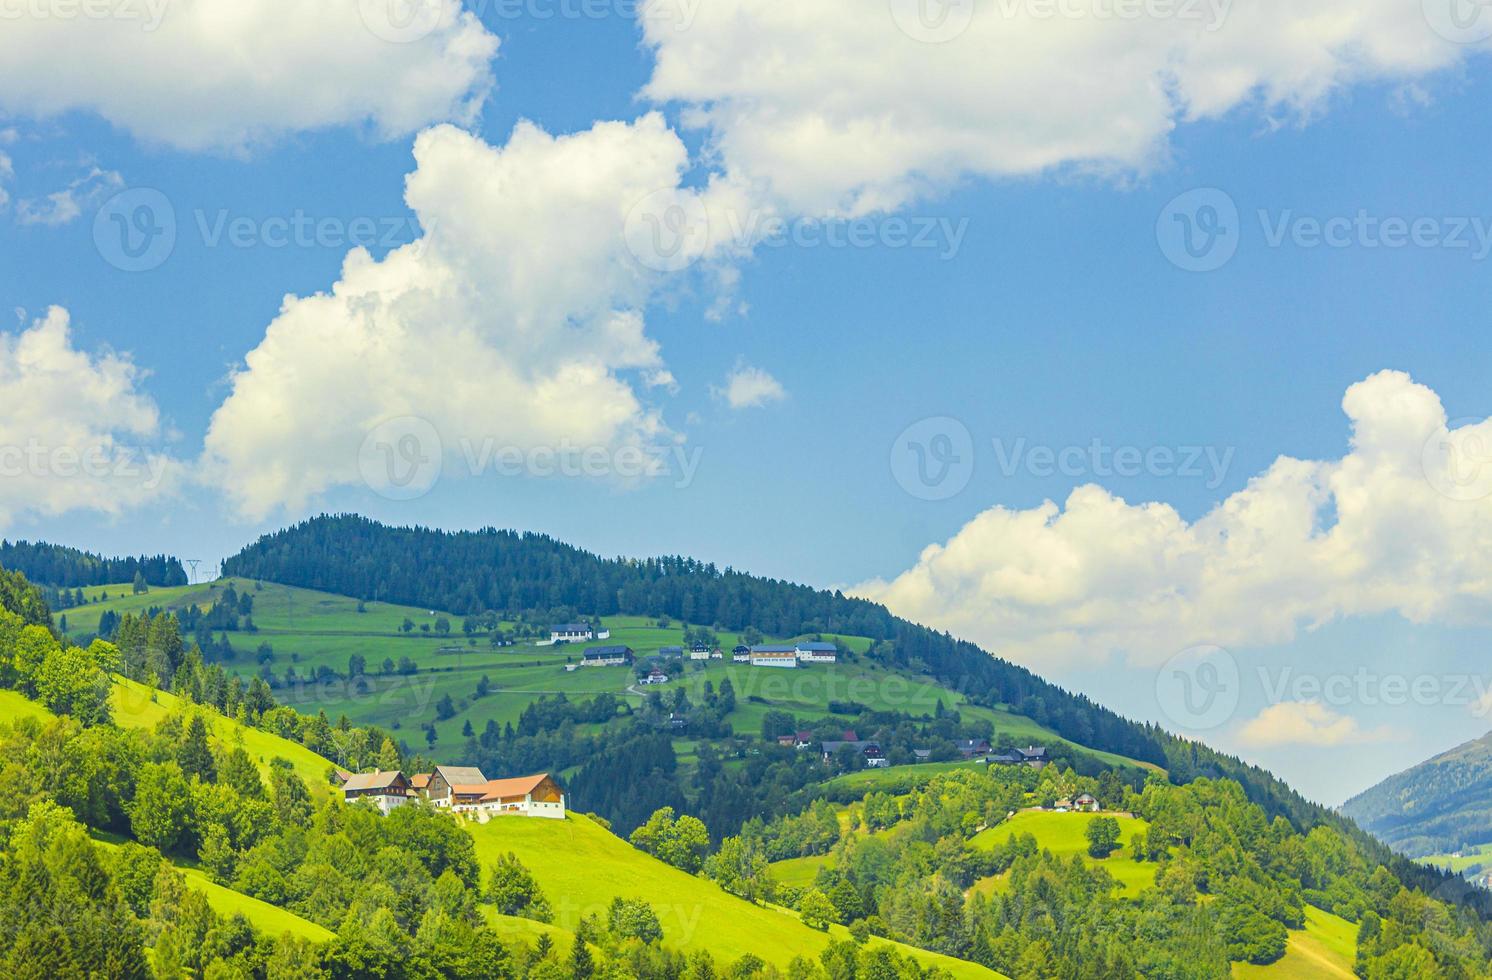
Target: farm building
x=699, y=653
x=741, y=655
x=817, y=653
x=774, y=656
x=387, y=789
x=525, y=796
x=576, y=633
x=439, y=786
x=655, y=676
x=611, y=656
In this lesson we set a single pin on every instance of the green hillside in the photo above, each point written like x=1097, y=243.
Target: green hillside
x=306, y=630
x=1064, y=834
x=1325, y=948
x=581, y=866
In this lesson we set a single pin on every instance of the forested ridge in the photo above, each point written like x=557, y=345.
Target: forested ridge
x=1441, y=805
x=61, y=567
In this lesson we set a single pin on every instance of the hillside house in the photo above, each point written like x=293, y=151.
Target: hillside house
x=774, y=656
x=1033, y=756
x=972, y=747
x=610, y=656
x=1063, y=805
x=386, y=789
x=875, y=757
x=1086, y=803
x=817, y=653
x=440, y=785
x=671, y=653
x=699, y=653
x=524, y=796
x=741, y=655
x=655, y=676
x=576, y=633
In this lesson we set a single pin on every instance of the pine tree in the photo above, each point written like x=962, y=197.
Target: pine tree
x=194, y=754
x=581, y=964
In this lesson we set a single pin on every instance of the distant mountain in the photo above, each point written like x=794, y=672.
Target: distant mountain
x=62, y=567
x=1440, y=805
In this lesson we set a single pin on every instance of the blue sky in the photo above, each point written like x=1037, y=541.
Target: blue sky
x=1047, y=314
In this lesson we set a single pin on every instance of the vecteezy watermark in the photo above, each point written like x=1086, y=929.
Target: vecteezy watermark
x=149, y=13
x=1201, y=231
x=1211, y=14
x=1459, y=21
x=404, y=458
x=670, y=229
x=1457, y=460
x=1099, y=459
x=404, y=21
x=401, y=458
x=933, y=459
x=1372, y=689
x=932, y=21
x=135, y=230
x=115, y=463
x=1198, y=688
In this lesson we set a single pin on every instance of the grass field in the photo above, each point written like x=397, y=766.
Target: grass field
x=15, y=706
x=1326, y=947
x=1064, y=834
x=581, y=867
x=1459, y=862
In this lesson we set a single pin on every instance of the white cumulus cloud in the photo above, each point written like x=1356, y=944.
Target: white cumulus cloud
x=750, y=387
x=1306, y=723
x=513, y=322
x=840, y=106
x=1402, y=523
x=200, y=74
x=76, y=430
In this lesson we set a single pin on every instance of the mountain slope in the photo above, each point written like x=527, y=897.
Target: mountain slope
x=581, y=867
x=1442, y=804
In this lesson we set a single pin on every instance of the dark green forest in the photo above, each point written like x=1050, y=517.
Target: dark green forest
x=68, y=568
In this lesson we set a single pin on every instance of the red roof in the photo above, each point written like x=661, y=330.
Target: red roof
x=502, y=789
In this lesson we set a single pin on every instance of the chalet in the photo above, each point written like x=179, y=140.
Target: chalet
x=612, y=656
x=573, y=633
x=1033, y=756
x=699, y=652
x=1086, y=803
x=971, y=747
x=386, y=789
x=786, y=741
x=774, y=656
x=875, y=758
x=922, y=755
x=1063, y=805
x=741, y=655
x=655, y=676
x=817, y=653
x=525, y=796
x=802, y=740
x=444, y=781
x=715, y=654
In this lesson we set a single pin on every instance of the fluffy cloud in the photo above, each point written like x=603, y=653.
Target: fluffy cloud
x=832, y=106
x=514, y=323
x=1402, y=523
x=750, y=387
x=1306, y=723
x=203, y=74
x=74, y=427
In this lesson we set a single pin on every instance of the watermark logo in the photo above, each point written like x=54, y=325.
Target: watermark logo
x=1457, y=460
x=400, y=459
x=667, y=231
x=932, y=21
x=135, y=230
x=401, y=21
x=1199, y=231
x=933, y=459
x=1198, y=688
x=1459, y=21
